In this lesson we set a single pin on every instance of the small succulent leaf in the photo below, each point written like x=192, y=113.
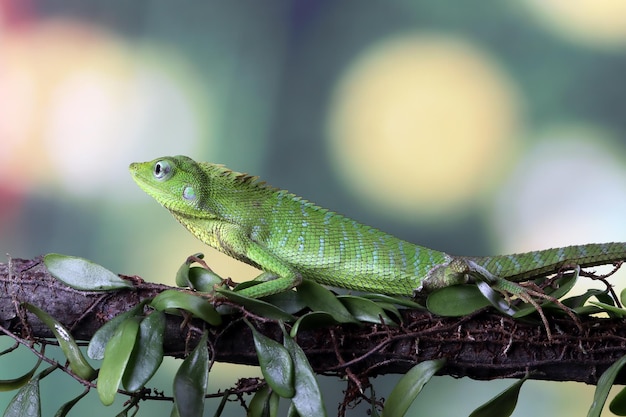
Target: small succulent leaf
x=580, y=300
x=288, y=301
x=617, y=405
x=495, y=298
x=365, y=310
x=275, y=362
x=191, y=380
x=264, y=403
x=97, y=344
x=308, y=397
x=604, y=386
x=291, y=411
x=312, y=320
x=396, y=300
x=78, y=363
x=613, y=311
x=67, y=407
x=116, y=356
x=27, y=401
x=203, y=280
x=83, y=274
x=622, y=296
x=182, y=275
x=319, y=298
x=390, y=309
x=409, y=386
x=172, y=300
x=503, y=404
x=456, y=301
x=148, y=352
x=254, y=305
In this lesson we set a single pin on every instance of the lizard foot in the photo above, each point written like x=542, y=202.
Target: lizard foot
x=527, y=291
x=530, y=295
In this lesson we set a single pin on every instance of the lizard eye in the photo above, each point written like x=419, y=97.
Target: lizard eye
x=162, y=170
x=189, y=193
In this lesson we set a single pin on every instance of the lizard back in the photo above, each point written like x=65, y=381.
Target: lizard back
x=322, y=245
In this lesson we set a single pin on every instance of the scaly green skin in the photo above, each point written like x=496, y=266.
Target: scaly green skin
x=291, y=238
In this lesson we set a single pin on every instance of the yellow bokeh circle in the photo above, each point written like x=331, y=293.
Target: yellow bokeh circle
x=422, y=123
x=594, y=22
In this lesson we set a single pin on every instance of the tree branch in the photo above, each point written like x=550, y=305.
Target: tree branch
x=481, y=346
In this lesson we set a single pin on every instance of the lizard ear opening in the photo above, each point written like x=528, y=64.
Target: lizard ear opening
x=189, y=193
x=162, y=170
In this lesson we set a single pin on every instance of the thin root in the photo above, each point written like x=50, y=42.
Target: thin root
x=528, y=295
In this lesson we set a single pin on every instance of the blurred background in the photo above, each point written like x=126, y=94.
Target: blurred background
x=477, y=130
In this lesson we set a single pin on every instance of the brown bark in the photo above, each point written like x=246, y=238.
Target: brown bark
x=482, y=346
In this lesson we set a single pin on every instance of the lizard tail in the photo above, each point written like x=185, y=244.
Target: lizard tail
x=528, y=265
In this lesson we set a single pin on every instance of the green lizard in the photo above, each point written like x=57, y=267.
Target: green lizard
x=290, y=238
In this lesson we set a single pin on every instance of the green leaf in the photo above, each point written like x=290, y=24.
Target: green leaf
x=604, y=386
x=308, y=398
x=503, y=404
x=67, y=407
x=618, y=404
x=264, y=403
x=116, y=357
x=148, y=352
x=83, y=274
x=220, y=407
x=580, y=300
x=170, y=300
x=78, y=363
x=98, y=342
x=409, y=386
x=365, y=310
x=27, y=401
x=288, y=301
x=495, y=298
x=15, y=383
x=397, y=300
x=312, y=320
x=318, y=298
x=191, y=380
x=275, y=362
x=201, y=279
x=586, y=310
x=456, y=301
x=614, y=311
x=182, y=275
x=390, y=308
x=260, y=307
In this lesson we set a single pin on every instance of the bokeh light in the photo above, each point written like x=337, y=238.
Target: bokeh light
x=421, y=123
x=567, y=189
x=592, y=22
x=76, y=97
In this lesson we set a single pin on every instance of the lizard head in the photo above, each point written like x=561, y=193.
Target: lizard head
x=176, y=182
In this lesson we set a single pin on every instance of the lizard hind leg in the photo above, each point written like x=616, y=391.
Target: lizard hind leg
x=527, y=292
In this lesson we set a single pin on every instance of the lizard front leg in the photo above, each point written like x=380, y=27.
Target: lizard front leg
x=279, y=276
x=235, y=241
